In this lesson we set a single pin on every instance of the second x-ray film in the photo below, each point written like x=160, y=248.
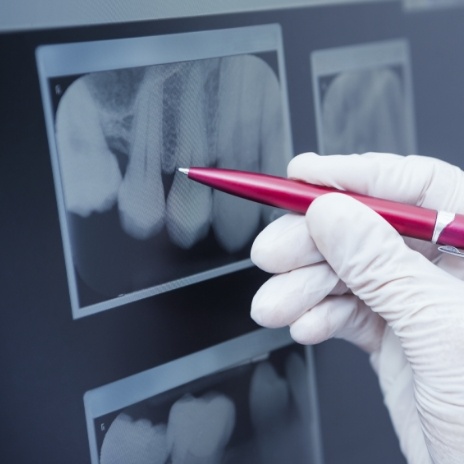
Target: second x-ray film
x=122, y=116
x=363, y=98
x=250, y=400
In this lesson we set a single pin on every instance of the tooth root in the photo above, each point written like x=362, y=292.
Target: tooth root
x=89, y=171
x=211, y=93
x=189, y=204
x=172, y=92
x=134, y=442
x=242, y=78
x=141, y=195
x=200, y=428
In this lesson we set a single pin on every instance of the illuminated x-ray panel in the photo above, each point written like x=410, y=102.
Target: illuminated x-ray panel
x=250, y=400
x=363, y=99
x=122, y=116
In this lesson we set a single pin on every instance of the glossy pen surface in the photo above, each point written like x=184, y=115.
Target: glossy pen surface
x=296, y=196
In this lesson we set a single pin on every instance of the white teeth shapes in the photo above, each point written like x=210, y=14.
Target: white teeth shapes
x=200, y=428
x=89, y=171
x=134, y=442
x=364, y=111
x=269, y=397
x=189, y=204
x=240, y=106
x=141, y=195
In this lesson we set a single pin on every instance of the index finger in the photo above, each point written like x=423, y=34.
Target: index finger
x=417, y=180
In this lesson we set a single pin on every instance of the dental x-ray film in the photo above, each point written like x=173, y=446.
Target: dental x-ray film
x=363, y=99
x=122, y=116
x=250, y=400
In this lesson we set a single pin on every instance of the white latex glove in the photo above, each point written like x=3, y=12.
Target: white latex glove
x=342, y=271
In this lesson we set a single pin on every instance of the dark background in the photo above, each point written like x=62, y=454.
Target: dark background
x=48, y=360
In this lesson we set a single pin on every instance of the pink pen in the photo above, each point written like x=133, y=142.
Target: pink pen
x=440, y=227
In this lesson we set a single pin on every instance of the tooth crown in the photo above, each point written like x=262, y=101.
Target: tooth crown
x=200, y=428
x=129, y=441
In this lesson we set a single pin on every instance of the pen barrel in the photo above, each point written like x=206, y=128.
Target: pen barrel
x=296, y=196
x=407, y=220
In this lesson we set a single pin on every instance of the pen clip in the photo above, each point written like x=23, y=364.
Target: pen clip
x=451, y=250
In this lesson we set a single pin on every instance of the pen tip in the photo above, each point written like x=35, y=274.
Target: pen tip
x=184, y=171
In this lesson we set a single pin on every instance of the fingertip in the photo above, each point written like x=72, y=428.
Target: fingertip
x=299, y=161
x=329, y=214
x=285, y=297
x=263, y=310
x=284, y=245
x=304, y=334
x=259, y=253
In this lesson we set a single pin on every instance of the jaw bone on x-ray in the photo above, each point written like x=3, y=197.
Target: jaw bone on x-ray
x=121, y=136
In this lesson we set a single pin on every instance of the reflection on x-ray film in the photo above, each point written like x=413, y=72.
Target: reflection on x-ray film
x=424, y=5
x=135, y=226
x=258, y=412
x=363, y=99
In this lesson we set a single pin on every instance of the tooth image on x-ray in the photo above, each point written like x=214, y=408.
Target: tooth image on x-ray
x=363, y=110
x=200, y=428
x=130, y=441
x=141, y=196
x=89, y=170
x=280, y=412
x=244, y=86
x=189, y=204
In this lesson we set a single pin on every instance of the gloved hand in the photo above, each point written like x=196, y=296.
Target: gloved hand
x=342, y=271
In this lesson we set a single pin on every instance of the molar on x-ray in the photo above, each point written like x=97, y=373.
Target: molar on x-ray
x=268, y=426
x=130, y=441
x=122, y=134
x=89, y=170
x=200, y=428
